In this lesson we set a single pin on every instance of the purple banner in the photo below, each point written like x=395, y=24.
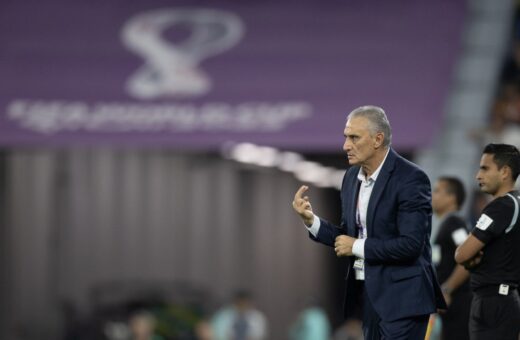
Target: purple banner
x=197, y=74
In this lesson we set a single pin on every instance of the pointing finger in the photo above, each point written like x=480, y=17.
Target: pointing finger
x=300, y=192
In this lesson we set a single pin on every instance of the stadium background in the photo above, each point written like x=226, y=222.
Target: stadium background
x=150, y=149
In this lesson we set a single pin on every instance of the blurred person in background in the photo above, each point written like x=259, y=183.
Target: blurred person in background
x=492, y=250
x=504, y=121
x=241, y=320
x=203, y=330
x=312, y=324
x=142, y=326
x=385, y=232
x=447, y=199
x=351, y=329
x=511, y=67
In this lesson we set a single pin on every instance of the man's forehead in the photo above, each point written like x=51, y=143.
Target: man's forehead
x=357, y=123
x=486, y=159
x=441, y=185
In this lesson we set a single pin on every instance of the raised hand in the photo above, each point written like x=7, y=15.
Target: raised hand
x=302, y=206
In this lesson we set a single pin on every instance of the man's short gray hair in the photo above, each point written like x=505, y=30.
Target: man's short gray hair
x=378, y=121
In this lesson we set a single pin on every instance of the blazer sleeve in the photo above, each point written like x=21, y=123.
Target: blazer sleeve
x=328, y=231
x=413, y=224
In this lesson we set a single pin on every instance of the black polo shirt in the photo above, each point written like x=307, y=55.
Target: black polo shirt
x=453, y=231
x=501, y=260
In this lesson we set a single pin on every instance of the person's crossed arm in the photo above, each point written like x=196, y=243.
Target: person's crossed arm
x=469, y=254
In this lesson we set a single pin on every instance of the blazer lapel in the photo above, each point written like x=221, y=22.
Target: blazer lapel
x=353, y=207
x=379, y=187
x=351, y=199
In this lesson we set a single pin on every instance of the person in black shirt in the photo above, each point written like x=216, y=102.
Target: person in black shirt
x=447, y=199
x=492, y=250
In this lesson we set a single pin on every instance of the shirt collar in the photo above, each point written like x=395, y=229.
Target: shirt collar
x=373, y=177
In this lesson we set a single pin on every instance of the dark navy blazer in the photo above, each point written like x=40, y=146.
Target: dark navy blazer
x=400, y=280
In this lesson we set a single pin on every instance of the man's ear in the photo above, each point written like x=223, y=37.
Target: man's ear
x=380, y=137
x=505, y=172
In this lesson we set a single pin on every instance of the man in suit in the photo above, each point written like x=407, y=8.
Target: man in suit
x=384, y=231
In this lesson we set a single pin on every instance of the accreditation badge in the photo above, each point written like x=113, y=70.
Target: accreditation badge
x=359, y=264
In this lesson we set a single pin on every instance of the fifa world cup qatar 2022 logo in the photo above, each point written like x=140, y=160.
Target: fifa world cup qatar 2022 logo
x=171, y=68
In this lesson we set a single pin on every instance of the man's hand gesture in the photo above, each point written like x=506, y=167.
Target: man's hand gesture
x=343, y=245
x=302, y=206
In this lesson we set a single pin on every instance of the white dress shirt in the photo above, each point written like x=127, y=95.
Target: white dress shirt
x=365, y=190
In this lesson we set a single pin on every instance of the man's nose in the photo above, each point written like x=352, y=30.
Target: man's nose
x=346, y=146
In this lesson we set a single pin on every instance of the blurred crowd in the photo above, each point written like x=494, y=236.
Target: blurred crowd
x=504, y=117
x=240, y=319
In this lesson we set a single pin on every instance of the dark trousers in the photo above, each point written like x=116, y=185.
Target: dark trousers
x=456, y=319
x=374, y=328
x=495, y=316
